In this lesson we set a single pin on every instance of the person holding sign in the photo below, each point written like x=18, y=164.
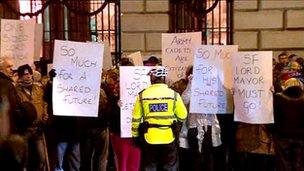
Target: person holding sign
x=62, y=134
x=157, y=117
x=200, y=137
x=126, y=155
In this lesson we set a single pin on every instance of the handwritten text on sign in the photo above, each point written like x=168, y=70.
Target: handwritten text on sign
x=252, y=81
x=133, y=79
x=177, y=53
x=77, y=84
x=17, y=40
x=210, y=92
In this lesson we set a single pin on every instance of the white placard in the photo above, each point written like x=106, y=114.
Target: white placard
x=76, y=86
x=38, y=42
x=252, y=82
x=133, y=79
x=17, y=41
x=177, y=53
x=107, y=58
x=136, y=58
x=212, y=80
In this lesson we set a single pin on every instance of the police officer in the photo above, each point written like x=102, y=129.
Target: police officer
x=159, y=109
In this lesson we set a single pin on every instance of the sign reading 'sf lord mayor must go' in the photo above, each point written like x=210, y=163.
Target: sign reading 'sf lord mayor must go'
x=177, y=53
x=76, y=86
x=212, y=80
x=17, y=40
x=133, y=79
x=252, y=82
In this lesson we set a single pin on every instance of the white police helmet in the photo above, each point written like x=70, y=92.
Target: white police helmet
x=158, y=72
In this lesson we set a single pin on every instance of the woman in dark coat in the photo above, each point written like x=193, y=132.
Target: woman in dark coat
x=289, y=126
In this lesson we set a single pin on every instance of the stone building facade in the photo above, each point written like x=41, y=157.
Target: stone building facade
x=276, y=25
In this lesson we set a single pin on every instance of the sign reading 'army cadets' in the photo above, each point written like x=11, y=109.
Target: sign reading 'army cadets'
x=177, y=53
x=17, y=40
x=252, y=81
x=212, y=80
x=133, y=79
x=76, y=87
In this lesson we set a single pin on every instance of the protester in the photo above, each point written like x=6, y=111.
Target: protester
x=289, y=126
x=126, y=155
x=254, y=145
x=162, y=112
x=151, y=61
x=202, y=134
x=94, y=144
x=29, y=92
x=10, y=116
x=65, y=144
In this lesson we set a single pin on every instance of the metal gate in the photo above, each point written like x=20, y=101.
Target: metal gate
x=212, y=17
x=75, y=20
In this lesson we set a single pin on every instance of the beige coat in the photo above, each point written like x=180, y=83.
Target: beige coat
x=36, y=98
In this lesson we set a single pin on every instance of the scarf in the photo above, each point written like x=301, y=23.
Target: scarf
x=25, y=83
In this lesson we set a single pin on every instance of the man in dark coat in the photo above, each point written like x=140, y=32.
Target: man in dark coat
x=12, y=114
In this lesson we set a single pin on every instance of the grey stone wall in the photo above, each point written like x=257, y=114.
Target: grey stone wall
x=142, y=23
x=276, y=25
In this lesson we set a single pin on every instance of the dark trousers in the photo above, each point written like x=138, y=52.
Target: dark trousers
x=254, y=162
x=95, y=150
x=159, y=157
x=209, y=159
x=37, y=153
x=289, y=154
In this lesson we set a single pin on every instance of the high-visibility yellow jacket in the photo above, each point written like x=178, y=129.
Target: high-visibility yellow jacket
x=160, y=105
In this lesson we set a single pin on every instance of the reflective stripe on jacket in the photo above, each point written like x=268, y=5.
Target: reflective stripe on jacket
x=160, y=105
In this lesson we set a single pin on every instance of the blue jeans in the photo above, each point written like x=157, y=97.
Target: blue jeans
x=69, y=152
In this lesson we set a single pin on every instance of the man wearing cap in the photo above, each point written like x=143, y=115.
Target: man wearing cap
x=157, y=113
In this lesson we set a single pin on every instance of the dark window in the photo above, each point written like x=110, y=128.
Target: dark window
x=212, y=17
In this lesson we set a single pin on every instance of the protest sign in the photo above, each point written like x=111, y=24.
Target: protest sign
x=177, y=53
x=133, y=79
x=77, y=84
x=17, y=41
x=136, y=58
x=253, y=100
x=38, y=42
x=107, y=58
x=212, y=80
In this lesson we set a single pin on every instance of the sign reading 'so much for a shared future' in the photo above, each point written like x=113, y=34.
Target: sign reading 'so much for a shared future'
x=212, y=80
x=76, y=86
x=253, y=99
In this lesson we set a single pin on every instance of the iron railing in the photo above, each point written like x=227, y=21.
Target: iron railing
x=212, y=17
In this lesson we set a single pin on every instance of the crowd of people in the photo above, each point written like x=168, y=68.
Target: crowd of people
x=33, y=139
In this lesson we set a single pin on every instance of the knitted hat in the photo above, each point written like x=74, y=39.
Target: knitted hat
x=291, y=83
